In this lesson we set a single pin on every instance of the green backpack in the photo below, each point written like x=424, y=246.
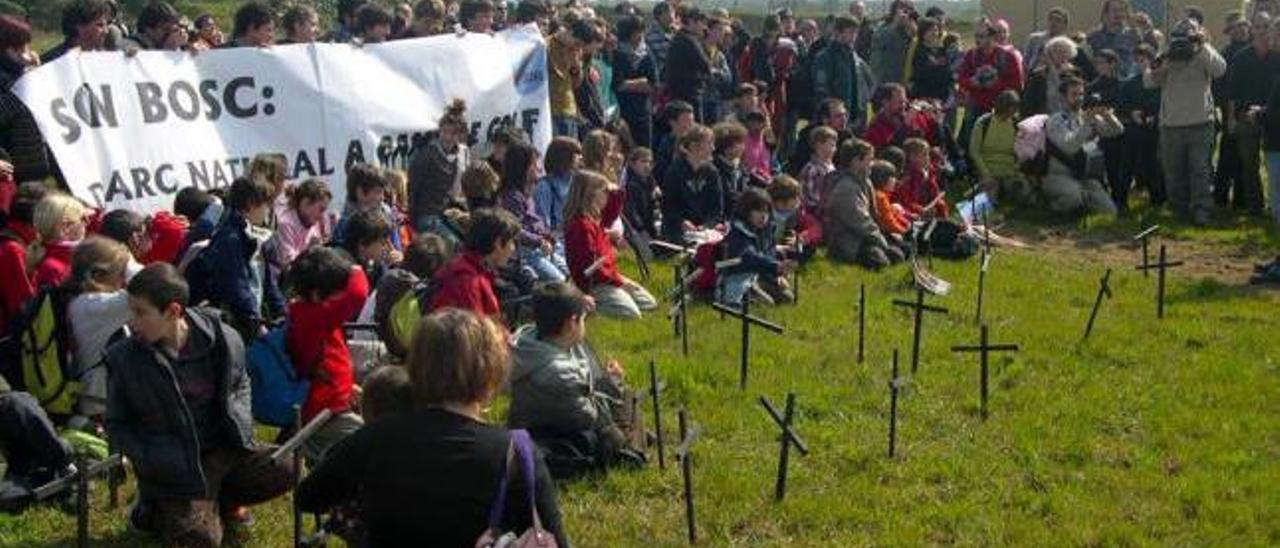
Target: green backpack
x=38, y=356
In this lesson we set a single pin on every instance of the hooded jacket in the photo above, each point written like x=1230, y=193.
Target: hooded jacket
x=148, y=418
x=553, y=388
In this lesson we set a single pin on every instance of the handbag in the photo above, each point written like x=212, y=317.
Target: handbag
x=519, y=454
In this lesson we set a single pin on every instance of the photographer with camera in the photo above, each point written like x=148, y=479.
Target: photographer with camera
x=1185, y=74
x=1074, y=180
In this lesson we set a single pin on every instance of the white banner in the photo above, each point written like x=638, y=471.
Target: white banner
x=130, y=132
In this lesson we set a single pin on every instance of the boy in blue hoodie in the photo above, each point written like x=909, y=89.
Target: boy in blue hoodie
x=750, y=254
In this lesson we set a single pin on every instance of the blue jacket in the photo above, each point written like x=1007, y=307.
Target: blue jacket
x=756, y=249
x=237, y=283
x=549, y=197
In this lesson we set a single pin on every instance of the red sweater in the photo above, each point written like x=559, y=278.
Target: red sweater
x=55, y=267
x=168, y=232
x=917, y=188
x=884, y=132
x=466, y=283
x=15, y=286
x=318, y=345
x=1008, y=75
x=586, y=241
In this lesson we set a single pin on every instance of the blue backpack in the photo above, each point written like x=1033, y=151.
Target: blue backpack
x=276, y=386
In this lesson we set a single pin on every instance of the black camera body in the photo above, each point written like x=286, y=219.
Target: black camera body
x=1092, y=101
x=1182, y=48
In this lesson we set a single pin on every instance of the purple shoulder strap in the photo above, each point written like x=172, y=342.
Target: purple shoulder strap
x=520, y=447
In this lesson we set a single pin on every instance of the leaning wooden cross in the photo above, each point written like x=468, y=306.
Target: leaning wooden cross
x=292, y=447
x=1104, y=291
x=984, y=349
x=789, y=439
x=748, y=321
x=79, y=481
x=1162, y=267
x=684, y=452
x=920, y=308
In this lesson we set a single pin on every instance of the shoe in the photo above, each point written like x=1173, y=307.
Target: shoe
x=239, y=516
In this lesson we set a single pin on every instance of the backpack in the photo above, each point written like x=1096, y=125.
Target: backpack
x=401, y=320
x=276, y=387
x=37, y=356
x=1029, y=145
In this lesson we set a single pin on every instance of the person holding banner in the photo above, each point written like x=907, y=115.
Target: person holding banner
x=373, y=24
x=255, y=27
x=84, y=24
x=301, y=25
x=159, y=28
x=21, y=144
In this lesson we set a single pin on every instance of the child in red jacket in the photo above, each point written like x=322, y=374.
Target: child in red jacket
x=918, y=190
x=467, y=281
x=60, y=220
x=329, y=291
x=594, y=203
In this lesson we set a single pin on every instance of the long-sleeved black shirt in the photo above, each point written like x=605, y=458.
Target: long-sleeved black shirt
x=428, y=478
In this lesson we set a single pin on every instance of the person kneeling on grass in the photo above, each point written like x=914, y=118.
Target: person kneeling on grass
x=750, y=241
x=467, y=282
x=178, y=408
x=593, y=204
x=851, y=232
x=572, y=404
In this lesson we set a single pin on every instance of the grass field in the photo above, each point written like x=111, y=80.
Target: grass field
x=1151, y=433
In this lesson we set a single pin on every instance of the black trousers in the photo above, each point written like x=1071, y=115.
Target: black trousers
x=1142, y=161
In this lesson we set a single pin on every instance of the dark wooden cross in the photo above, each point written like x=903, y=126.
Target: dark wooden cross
x=292, y=448
x=748, y=321
x=1143, y=237
x=927, y=239
x=862, y=321
x=789, y=438
x=984, y=350
x=680, y=312
x=982, y=282
x=79, y=481
x=688, y=435
x=799, y=256
x=1162, y=267
x=920, y=308
x=895, y=384
x=1104, y=291
x=655, y=394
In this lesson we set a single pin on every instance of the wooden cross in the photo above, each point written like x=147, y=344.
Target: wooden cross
x=1104, y=291
x=688, y=435
x=680, y=311
x=789, y=438
x=982, y=283
x=655, y=394
x=799, y=256
x=79, y=481
x=862, y=321
x=1161, y=266
x=984, y=350
x=1143, y=237
x=920, y=308
x=747, y=322
x=292, y=448
x=895, y=384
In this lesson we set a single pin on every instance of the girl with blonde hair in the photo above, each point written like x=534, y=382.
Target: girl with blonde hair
x=60, y=222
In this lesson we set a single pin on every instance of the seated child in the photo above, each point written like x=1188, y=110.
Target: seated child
x=919, y=191
x=793, y=227
x=368, y=244
x=594, y=204
x=328, y=291
x=427, y=254
x=758, y=156
x=822, y=142
x=642, y=192
x=750, y=241
x=892, y=219
x=467, y=282
x=569, y=401
x=367, y=191
x=539, y=253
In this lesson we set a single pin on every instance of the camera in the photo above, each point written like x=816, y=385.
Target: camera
x=1184, y=41
x=1093, y=100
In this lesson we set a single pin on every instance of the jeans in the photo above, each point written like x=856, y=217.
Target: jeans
x=565, y=126
x=546, y=268
x=1249, y=185
x=1186, y=153
x=1273, y=173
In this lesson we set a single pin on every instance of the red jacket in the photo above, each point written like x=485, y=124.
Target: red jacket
x=1008, y=75
x=917, y=188
x=55, y=267
x=167, y=232
x=15, y=286
x=586, y=241
x=466, y=283
x=883, y=132
x=318, y=345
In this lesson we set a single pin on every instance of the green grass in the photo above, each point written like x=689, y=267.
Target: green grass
x=1150, y=433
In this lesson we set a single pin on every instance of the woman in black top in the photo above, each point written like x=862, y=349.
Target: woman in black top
x=931, y=74
x=429, y=477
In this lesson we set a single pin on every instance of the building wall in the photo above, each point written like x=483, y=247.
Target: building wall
x=1024, y=15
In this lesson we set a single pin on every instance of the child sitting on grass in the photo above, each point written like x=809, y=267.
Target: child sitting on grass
x=750, y=242
x=328, y=291
x=594, y=204
x=919, y=191
x=822, y=141
x=793, y=227
x=851, y=232
x=892, y=219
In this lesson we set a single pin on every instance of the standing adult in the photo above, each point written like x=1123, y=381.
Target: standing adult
x=1140, y=111
x=27, y=157
x=891, y=42
x=1042, y=96
x=633, y=79
x=1117, y=35
x=1185, y=76
x=1268, y=119
x=301, y=25
x=1058, y=23
x=858, y=11
x=1253, y=72
x=661, y=31
x=688, y=68
x=839, y=73
x=1227, y=174
x=929, y=74
x=84, y=26
x=159, y=28
x=565, y=56
x=985, y=72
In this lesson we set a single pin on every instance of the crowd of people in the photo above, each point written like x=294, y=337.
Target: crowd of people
x=680, y=126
